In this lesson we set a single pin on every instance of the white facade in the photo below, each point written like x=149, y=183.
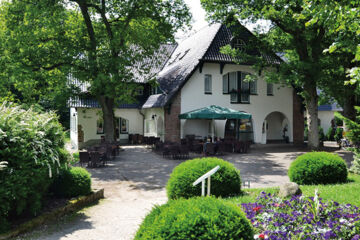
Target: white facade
x=260, y=106
x=84, y=124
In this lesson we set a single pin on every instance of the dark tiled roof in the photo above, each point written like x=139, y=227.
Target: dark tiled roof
x=155, y=101
x=330, y=107
x=181, y=65
x=154, y=64
x=225, y=36
x=93, y=103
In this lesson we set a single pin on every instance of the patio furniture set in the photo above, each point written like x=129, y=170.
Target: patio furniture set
x=190, y=144
x=99, y=155
x=140, y=139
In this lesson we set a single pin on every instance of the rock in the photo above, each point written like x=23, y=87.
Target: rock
x=289, y=189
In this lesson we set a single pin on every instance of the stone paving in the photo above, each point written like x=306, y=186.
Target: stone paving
x=135, y=181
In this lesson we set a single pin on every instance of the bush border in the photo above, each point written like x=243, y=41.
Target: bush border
x=72, y=206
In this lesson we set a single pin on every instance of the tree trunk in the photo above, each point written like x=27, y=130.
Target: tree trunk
x=107, y=106
x=311, y=101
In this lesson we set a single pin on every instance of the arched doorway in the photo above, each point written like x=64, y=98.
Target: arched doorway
x=275, y=128
x=240, y=129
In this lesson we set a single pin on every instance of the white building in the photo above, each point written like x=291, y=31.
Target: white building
x=197, y=75
x=326, y=115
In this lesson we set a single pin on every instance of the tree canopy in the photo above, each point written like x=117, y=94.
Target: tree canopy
x=98, y=42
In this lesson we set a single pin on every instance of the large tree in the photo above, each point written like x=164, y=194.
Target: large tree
x=98, y=42
x=299, y=30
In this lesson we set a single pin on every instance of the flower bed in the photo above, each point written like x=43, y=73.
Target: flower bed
x=302, y=218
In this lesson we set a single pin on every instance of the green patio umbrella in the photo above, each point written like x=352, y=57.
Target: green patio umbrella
x=215, y=112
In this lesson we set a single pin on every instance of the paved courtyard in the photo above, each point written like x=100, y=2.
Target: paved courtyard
x=135, y=181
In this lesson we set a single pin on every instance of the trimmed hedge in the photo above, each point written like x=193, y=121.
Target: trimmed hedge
x=196, y=218
x=72, y=182
x=318, y=168
x=32, y=144
x=225, y=182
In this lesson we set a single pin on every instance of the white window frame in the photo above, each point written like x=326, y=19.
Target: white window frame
x=208, y=84
x=270, y=89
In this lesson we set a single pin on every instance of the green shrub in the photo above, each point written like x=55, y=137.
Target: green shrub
x=195, y=218
x=338, y=134
x=72, y=182
x=318, y=168
x=32, y=144
x=225, y=182
x=330, y=134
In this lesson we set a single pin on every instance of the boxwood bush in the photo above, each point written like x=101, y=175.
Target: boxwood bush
x=225, y=182
x=318, y=168
x=72, y=182
x=195, y=218
x=32, y=144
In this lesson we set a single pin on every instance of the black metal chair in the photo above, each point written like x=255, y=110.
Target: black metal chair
x=84, y=158
x=95, y=159
x=184, y=151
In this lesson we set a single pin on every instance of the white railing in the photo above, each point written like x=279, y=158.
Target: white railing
x=203, y=178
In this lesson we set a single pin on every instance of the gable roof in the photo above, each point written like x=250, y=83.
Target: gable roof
x=203, y=46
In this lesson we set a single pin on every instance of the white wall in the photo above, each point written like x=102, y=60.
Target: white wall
x=275, y=123
x=158, y=127
x=261, y=105
x=325, y=119
x=87, y=118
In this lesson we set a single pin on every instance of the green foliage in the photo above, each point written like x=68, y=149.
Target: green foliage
x=355, y=165
x=318, y=168
x=72, y=182
x=338, y=120
x=32, y=143
x=338, y=134
x=195, y=218
x=330, y=134
x=225, y=182
x=353, y=127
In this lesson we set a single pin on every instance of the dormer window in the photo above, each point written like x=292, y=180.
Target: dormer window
x=238, y=44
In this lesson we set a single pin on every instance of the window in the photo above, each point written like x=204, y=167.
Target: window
x=239, y=87
x=124, y=125
x=226, y=84
x=208, y=84
x=100, y=126
x=239, y=44
x=270, y=89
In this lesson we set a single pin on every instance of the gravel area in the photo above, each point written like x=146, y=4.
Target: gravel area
x=135, y=181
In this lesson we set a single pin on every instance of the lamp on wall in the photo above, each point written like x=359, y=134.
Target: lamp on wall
x=153, y=116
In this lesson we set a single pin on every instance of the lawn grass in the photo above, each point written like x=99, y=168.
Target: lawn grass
x=341, y=193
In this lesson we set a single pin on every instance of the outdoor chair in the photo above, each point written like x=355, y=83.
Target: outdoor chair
x=174, y=151
x=134, y=139
x=184, y=152
x=151, y=140
x=140, y=139
x=166, y=151
x=84, y=158
x=146, y=140
x=156, y=139
x=239, y=147
x=222, y=148
x=95, y=159
x=209, y=149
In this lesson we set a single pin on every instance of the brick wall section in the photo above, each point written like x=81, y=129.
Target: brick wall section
x=172, y=121
x=298, y=120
